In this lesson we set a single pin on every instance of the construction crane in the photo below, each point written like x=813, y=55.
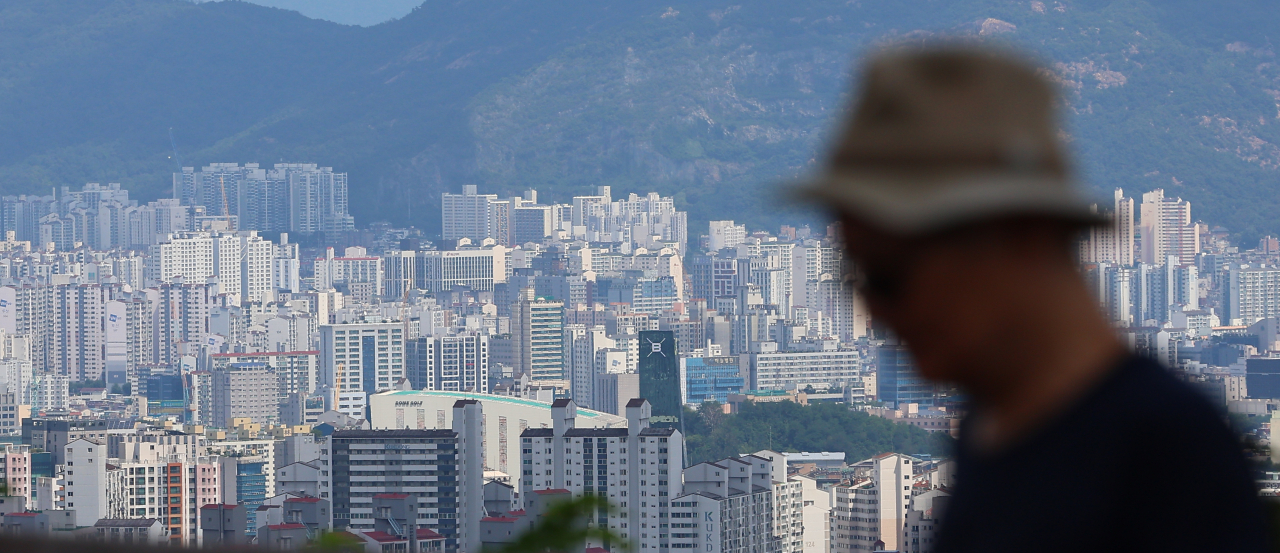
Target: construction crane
x=405, y=332
x=226, y=211
x=174, y=143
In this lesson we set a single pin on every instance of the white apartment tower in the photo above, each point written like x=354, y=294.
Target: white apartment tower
x=637, y=468
x=1167, y=229
x=245, y=390
x=440, y=271
x=360, y=359
x=317, y=197
x=466, y=215
x=725, y=234
x=151, y=475
x=241, y=262
x=182, y=317
x=874, y=508
x=728, y=506
x=462, y=363
x=76, y=335
x=1249, y=294
x=297, y=197
x=1114, y=244
x=537, y=325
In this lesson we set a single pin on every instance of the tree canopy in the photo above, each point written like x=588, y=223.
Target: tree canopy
x=787, y=427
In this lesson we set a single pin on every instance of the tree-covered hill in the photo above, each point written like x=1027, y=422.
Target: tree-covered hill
x=790, y=427
x=712, y=101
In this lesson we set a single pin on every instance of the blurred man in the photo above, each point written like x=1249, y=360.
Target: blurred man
x=961, y=217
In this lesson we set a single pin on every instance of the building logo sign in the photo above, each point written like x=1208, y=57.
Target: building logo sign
x=408, y=404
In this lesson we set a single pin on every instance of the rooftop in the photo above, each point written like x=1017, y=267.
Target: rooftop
x=595, y=433
x=267, y=354
x=287, y=526
x=486, y=398
x=383, y=434
x=381, y=536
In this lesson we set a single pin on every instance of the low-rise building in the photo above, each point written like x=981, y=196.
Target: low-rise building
x=131, y=531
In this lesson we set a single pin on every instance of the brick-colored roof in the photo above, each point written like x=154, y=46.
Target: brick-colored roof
x=287, y=526
x=381, y=536
x=302, y=500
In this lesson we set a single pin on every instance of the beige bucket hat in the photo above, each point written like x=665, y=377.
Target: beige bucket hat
x=944, y=136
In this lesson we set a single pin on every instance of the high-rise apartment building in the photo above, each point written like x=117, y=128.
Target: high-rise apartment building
x=532, y=223
x=1250, y=294
x=360, y=359
x=182, y=317
x=295, y=197
x=466, y=215
x=76, y=338
x=636, y=468
x=1166, y=229
x=241, y=262
x=582, y=345
x=650, y=221
x=1114, y=244
x=725, y=234
x=50, y=393
x=248, y=390
x=537, y=327
x=22, y=214
x=462, y=363
x=317, y=197
x=730, y=506
x=441, y=469
x=152, y=475
x=298, y=372
x=453, y=363
x=354, y=267
x=874, y=508
x=713, y=275
x=440, y=271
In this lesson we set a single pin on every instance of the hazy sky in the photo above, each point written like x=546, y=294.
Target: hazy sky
x=350, y=12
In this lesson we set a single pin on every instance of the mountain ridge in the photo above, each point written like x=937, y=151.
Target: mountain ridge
x=712, y=102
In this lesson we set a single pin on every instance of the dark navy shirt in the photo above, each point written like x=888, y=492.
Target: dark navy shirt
x=1142, y=462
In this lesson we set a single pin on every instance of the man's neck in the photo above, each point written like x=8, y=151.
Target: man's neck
x=1050, y=356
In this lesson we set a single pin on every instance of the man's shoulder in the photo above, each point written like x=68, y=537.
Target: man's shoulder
x=1146, y=387
x=1150, y=400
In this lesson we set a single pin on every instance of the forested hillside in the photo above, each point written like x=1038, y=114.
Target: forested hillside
x=715, y=102
x=789, y=427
